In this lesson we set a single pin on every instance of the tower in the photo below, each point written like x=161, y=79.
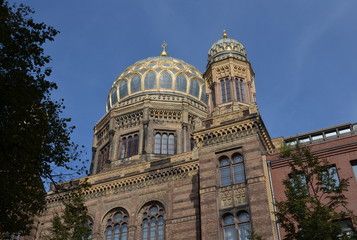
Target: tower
x=235, y=195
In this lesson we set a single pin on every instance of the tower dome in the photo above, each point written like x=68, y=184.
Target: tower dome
x=158, y=75
x=226, y=47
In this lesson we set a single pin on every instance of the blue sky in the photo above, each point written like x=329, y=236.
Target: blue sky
x=303, y=53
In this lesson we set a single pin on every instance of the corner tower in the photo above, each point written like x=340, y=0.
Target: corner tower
x=229, y=76
x=232, y=145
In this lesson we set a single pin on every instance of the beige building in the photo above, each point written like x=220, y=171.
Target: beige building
x=180, y=154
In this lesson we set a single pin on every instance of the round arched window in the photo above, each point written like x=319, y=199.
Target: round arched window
x=153, y=223
x=117, y=226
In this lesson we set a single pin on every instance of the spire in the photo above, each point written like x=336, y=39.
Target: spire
x=164, y=53
x=225, y=34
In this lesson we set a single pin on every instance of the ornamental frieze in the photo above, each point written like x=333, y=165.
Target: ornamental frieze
x=129, y=120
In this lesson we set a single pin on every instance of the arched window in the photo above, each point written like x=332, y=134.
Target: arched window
x=89, y=224
x=171, y=145
x=194, y=88
x=226, y=90
x=229, y=229
x=103, y=157
x=150, y=80
x=164, y=143
x=153, y=223
x=238, y=168
x=165, y=80
x=123, y=89
x=181, y=83
x=244, y=226
x=117, y=225
x=135, y=84
x=204, y=94
x=240, y=89
x=114, y=96
x=231, y=170
x=236, y=227
x=225, y=171
x=129, y=145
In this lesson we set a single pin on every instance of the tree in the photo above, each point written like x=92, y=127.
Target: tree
x=34, y=137
x=315, y=200
x=254, y=236
x=74, y=224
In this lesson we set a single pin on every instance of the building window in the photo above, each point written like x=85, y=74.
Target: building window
x=236, y=227
x=103, y=156
x=298, y=182
x=89, y=224
x=347, y=227
x=153, y=224
x=204, y=95
x=330, y=179
x=194, y=88
x=213, y=95
x=181, y=83
x=150, y=80
x=165, y=80
x=240, y=90
x=129, y=145
x=231, y=170
x=164, y=143
x=135, y=84
x=225, y=90
x=117, y=226
x=114, y=96
x=354, y=168
x=123, y=89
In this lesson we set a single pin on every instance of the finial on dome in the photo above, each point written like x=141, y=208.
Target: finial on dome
x=225, y=34
x=164, y=53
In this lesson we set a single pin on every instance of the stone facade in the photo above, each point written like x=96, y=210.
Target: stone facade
x=193, y=147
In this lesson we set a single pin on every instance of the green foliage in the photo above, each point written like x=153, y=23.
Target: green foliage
x=34, y=138
x=254, y=236
x=73, y=223
x=315, y=201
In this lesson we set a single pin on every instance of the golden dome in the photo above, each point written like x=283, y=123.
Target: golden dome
x=158, y=75
x=226, y=47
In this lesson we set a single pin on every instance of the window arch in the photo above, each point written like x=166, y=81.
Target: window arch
x=236, y=227
x=153, y=222
x=165, y=80
x=164, y=143
x=181, y=83
x=135, y=84
x=117, y=225
x=150, y=80
x=231, y=170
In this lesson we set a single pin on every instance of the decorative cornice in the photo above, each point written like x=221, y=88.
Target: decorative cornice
x=141, y=180
x=234, y=130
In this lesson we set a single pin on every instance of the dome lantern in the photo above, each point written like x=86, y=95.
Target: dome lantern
x=163, y=52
